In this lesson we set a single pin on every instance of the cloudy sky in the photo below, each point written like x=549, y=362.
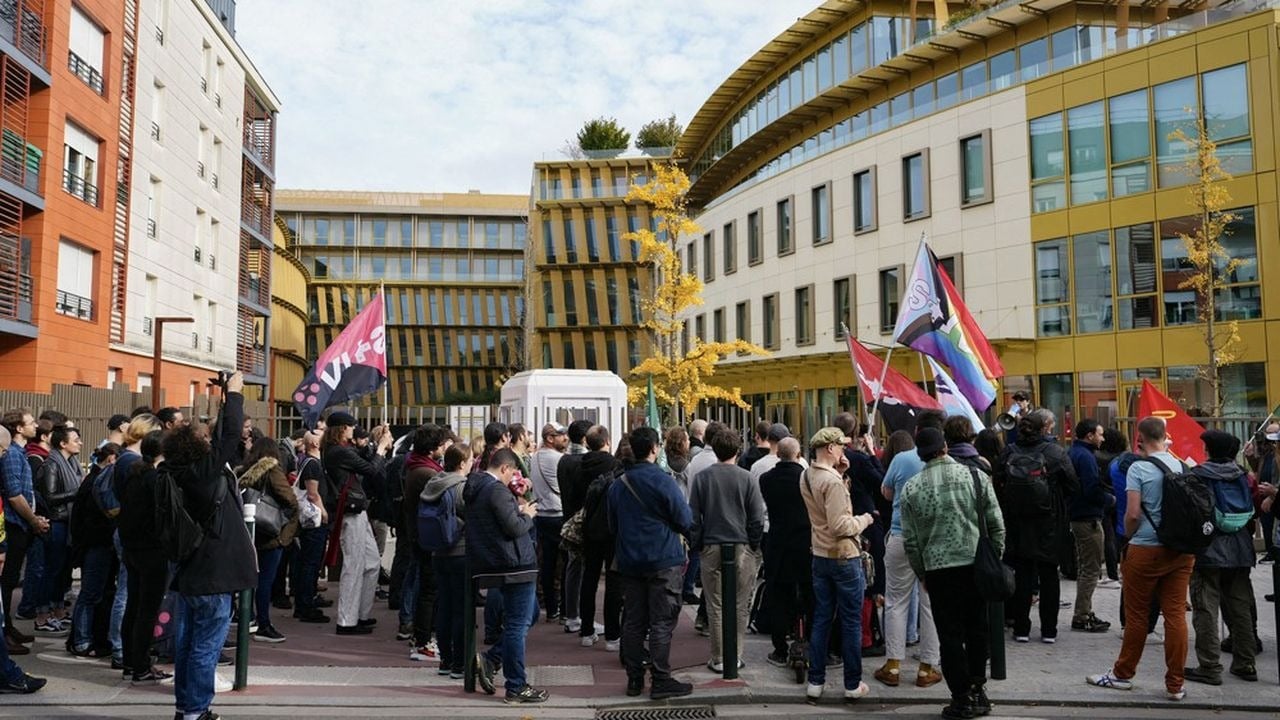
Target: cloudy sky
x=451, y=95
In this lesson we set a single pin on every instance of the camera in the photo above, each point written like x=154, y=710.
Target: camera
x=221, y=379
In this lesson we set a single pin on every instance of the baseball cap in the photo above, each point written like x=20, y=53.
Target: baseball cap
x=777, y=432
x=341, y=419
x=553, y=428
x=827, y=436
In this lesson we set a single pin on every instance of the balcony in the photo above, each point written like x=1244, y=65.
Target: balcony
x=20, y=161
x=159, y=35
x=148, y=326
x=86, y=72
x=208, y=344
x=213, y=262
x=80, y=187
x=214, y=180
x=15, y=279
x=200, y=170
x=155, y=131
x=259, y=131
x=195, y=341
x=74, y=305
x=197, y=256
x=204, y=85
x=217, y=100
x=151, y=228
x=21, y=24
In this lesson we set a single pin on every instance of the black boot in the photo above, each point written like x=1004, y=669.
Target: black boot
x=978, y=700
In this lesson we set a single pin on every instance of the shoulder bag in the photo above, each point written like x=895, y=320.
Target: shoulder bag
x=993, y=578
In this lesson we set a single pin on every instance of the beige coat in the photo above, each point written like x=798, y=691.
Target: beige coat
x=835, y=529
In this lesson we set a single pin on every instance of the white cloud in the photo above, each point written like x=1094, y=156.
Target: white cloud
x=449, y=95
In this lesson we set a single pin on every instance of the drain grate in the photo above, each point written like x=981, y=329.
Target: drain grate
x=697, y=712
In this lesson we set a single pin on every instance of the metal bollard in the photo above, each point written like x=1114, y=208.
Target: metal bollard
x=995, y=630
x=246, y=611
x=469, y=631
x=729, y=609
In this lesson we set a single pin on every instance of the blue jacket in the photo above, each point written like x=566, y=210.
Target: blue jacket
x=17, y=481
x=1119, y=472
x=498, y=541
x=1090, y=503
x=647, y=540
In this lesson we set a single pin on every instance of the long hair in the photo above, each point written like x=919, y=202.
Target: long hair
x=899, y=441
x=263, y=447
x=151, y=450
x=139, y=427
x=332, y=436
x=677, y=443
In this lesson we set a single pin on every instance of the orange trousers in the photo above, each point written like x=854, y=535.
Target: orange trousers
x=1164, y=574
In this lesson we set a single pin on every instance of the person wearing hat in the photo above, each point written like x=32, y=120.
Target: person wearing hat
x=1221, y=575
x=838, y=580
x=546, y=486
x=940, y=537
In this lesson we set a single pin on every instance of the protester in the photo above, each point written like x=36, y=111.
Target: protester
x=1220, y=579
x=777, y=432
x=598, y=542
x=573, y=487
x=144, y=555
x=91, y=531
x=1114, y=445
x=677, y=449
x=502, y=558
x=311, y=540
x=759, y=448
x=866, y=476
x=697, y=435
x=1150, y=569
x=1036, y=480
x=550, y=519
x=448, y=564
x=706, y=457
x=223, y=562
x=787, y=556
x=37, y=450
x=940, y=516
x=13, y=681
x=262, y=472
x=838, y=578
x=1086, y=509
x=727, y=510
x=420, y=593
x=58, y=481
x=648, y=516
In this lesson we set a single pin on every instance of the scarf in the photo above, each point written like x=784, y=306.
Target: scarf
x=964, y=450
x=69, y=474
x=35, y=448
x=415, y=461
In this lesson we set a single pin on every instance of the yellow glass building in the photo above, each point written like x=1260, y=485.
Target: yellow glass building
x=288, y=363
x=1029, y=141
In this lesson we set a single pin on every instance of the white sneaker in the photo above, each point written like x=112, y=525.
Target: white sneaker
x=1108, y=680
x=813, y=692
x=572, y=625
x=612, y=645
x=859, y=692
x=221, y=684
x=1109, y=584
x=1175, y=696
x=590, y=640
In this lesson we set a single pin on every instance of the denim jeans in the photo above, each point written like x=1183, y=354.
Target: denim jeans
x=118, y=603
x=203, y=621
x=55, y=557
x=33, y=577
x=450, y=577
x=94, y=573
x=492, y=616
x=9, y=669
x=408, y=590
x=306, y=566
x=520, y=603
x=268, y=563
x=837, y=585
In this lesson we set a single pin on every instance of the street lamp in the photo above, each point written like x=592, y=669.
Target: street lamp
x=156, y=363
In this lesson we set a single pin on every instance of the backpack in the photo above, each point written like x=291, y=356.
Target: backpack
x=1232, y=504
x=1186, y=510
x=438, y=527
x=178, y=533
x=1026, y=486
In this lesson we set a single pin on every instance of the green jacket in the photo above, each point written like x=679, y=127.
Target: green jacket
x=940, y=516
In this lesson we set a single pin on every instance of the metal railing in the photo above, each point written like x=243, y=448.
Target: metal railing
x=214, y=180
x=80, y=187
x=199, y=169
x=159, y=35
x=151, y=228
x=85, y=71
x=74, y=305
x=21, y=23
x=155, y=131
x=197, y=255
x=15, y=278
x=204, y=85
x=209, y=343
x=195, y=341
x=148, y=326
x=213, y=262
x=20, y=161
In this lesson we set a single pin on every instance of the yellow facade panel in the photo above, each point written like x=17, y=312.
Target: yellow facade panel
x=1220, y=52
x=1132, y=209
x=1140, y=348
x=1088, y=218
x=1078, y=89
x=1184, y=346
x=1050, y=225
x=1044, y=97
x=1095, y=352
x=1055, y=355
x=1253, y=342
x=1173, y=61
x=1127, y=77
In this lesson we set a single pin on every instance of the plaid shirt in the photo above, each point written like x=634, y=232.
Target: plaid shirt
x=940, y=516
x=17, y=481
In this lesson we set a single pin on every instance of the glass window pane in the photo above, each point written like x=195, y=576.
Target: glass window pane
x=888, y=298
x=821, y=215
x=1033, y=59
x=1175, y=104
x=974, y=172
x=1130, y=129
x=1046, y=147
x=900, y=109
x=1064, y=49
x=1057, y=393
x=1092, y=256
x=1087, y=142
x=863, y=201
x=922, y=100
x=797, y=86
x=884, y=39
x=973, y=80
x=1003, y=69
x=1226, y=102
x=1136, y=260
x=840, y=58
x=947, y=90
x=913, y=186
x=879, y=118
x=858, y=51
x=824, y=68
x=810, y=78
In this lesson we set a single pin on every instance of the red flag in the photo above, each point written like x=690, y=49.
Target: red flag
x=896, y=385
x=354, y=364
x=1182, y=430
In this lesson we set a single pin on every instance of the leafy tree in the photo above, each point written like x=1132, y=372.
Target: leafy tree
x=680, y=379
x=603, y=134
x=1211, y=266
x=659, y=133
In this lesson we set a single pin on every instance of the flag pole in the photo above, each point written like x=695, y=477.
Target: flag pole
x=875, y=405
x=924, y=377
x=848, y=341
x=386, y=386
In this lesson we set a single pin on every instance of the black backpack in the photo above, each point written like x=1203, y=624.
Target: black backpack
x=1026, y=485
x=179, y=533
x=1186, y=510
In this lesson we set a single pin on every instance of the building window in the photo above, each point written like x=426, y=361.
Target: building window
x=953, y=266
x=1091, y=256
x=691, y=259
x=75, y=280
x=1048, y=191
x=730, y=238
x=1129, y=121
x=85, y=55
x=1136, y=273
x=611, y=296
x=593, y=313
x=804, y=315
x=1174, y=105
x=570, y=244
x=1087, y=142
x=821, y=207
x=742, y=316
x=700, y=328
x=611, y=231
x=1225, y=94
x=637, y=303
x=593, y=247
x=80, y=164
x=717, y=325
x=755, y=239
x=709, y=257
x=890, y=292
x=915, y=185
x=842, y=307
x=771, y=322
x=975, y=169
x=548, y=304
x=785, y=246
x=570, y=304
x=864, y=200
x=1053, y=288
x=1241, y=300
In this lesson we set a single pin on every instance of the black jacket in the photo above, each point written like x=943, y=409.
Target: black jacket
x=499, y=544
x=604, y=469
x=58, y=492
x=136, y=491
x=1039, y=539
x=750, y=457
x=225, y=561
x=342, y=463
x=573, y=486
x=787, y=557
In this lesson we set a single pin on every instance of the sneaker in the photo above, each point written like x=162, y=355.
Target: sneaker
x=589, y=640
x=224, y=659
x=958, y=710
x=526, y=695
x=700, y=627
x=1109, y=584
x=813, y=691
x=1248, y=673
x=282, y=603
x=1090, y=623
x=857, y=693
x=666, y=689
x=354, y=630
x=1176, y=695
x=835, y=661
x=404, y=632
x=635, y=686
x=424, y=653
x=456, y=674
x=1022, y=638
x=268, y=634
x=367, y=622
x=442, y=670
x=978, y=701
x=1062, y=604
x=1048, y=639
x=573, y=625
x=718, y=667
x=26, y=686
x=153, y=676
x=220, y=685
x=777, y=659
x=21, y=614
x=1200, y=675
x=51, y=628
x=312, y=616
x=1109, y=680
x=612, y=645
x=485, y=670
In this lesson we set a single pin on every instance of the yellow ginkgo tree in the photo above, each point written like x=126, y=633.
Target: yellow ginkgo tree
x=680, y=377
x=1211, y=268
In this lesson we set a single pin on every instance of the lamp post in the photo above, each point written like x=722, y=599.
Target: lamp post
x=157, y=363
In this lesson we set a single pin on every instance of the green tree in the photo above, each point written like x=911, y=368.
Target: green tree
x=603, y=134
x=659, y=133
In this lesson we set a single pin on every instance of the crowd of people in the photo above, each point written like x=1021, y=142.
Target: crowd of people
x=844, y=547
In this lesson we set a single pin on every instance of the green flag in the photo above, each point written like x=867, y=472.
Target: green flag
x=654, y=420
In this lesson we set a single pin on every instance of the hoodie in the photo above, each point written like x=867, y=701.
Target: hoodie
x=1226, y=550
x=435, y=488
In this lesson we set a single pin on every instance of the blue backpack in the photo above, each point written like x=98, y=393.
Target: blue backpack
x=438, y=526
x=1233, y=505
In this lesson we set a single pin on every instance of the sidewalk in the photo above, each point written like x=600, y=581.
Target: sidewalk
x=317, y=668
